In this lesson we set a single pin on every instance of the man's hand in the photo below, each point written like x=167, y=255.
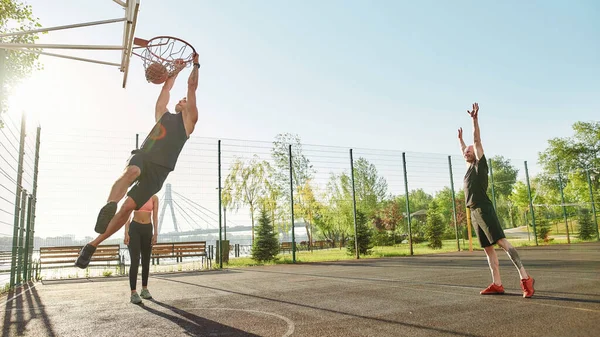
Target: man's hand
x=475, y=111
x=179, y=65
x=126, y=241
x=460, y=133
x=154, y=238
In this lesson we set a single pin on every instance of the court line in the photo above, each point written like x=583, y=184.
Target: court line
x=290, y=323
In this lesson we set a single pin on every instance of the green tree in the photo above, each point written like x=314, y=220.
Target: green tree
x=302, y=170
x=443, y=200
x=370, y=188
x=575, y=154
x=586, y=225
x=266, y=246
x=434, y=229
x=15, y=16
x=364, y=236
x=505, y=177
x=307, y=209
x=335, y=219
x=247, y=183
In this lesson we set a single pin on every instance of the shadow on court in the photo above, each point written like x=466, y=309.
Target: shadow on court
x=426, y=295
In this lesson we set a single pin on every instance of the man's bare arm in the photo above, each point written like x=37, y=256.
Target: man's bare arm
x=463, y=146
x=476, y=132
x=165, y=92
x=164, y=97
x=192, y=108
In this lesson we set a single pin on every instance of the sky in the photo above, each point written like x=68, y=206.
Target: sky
x=381, y=75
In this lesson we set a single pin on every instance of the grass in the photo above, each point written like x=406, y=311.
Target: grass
x=337, y=254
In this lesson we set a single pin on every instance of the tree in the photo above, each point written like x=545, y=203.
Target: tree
x=434, y=229
x=302, y=170
x=575, y=155
x=307, y=209
x=266, y=246
x=370, y=188
x=505, y=176
x=14, y=17
x=364, y=234
x=247, y=181
x=335, y=218
x=586, y=225
x=389, y=216
x=443, y=200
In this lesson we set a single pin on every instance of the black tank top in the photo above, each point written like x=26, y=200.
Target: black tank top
x=164, y=143
x=476, y=183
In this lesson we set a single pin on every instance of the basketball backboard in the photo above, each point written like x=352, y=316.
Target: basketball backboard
x=129, y=20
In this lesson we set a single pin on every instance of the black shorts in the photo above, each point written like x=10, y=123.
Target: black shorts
x=486, y=224
x=150, y=180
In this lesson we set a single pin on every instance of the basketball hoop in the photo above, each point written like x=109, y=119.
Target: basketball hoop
x=164, y=56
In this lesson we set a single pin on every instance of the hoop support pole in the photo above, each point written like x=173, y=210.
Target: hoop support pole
x=129, y=43
x=58, y=46
x=69, y=57
x=118, y=2
x=42, y=30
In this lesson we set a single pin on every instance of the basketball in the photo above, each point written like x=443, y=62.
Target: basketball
x=156, y=73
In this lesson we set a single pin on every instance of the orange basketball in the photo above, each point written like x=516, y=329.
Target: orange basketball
x=156, y=73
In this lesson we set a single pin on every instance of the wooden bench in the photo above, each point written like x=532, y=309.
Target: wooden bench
x=323, y=244
x=5, y=261
x=286, y=246
x=179, y=250
x=55, y=257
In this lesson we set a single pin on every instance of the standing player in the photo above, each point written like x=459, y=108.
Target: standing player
x=483, y=215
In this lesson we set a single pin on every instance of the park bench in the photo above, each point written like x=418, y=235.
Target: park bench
x=179, y=250
x=56, y=257
x=5, y=261
x=322, y=244
x=286, y=246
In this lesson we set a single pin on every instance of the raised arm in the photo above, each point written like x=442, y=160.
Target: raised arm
x=191, y=111
x=155, y=219
x=165, y=92
x=476, y=133
x=463, y=146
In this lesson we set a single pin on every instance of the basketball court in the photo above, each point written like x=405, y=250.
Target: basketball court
x=430, y=295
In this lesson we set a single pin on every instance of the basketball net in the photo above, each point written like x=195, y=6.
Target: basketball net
x=165, y=50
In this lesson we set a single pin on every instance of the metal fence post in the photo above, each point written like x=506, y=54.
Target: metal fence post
x=354, y=207
x=28, y=238
x=453, y=203
x=20, y=236
x=407, y=204
x=493, y=190
x=18, y=193
x=292, y=203
x=220, y=214
x=562, y=200
x=589, y=180
x=531, y=204
x=34, y=196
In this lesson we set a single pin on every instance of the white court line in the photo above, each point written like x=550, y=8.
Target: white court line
x=10, y=299
x=290, y=323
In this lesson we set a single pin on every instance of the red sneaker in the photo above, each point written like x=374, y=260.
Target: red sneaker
x=493, y=289
x=527, y=286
